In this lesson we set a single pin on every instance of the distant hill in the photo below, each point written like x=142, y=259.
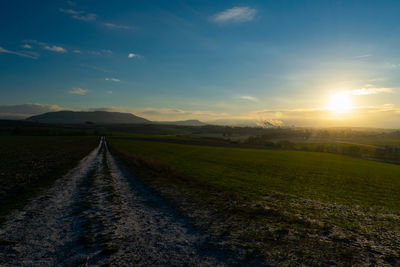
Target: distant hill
x=102, y=117
x=182, y=123
x=75, y=117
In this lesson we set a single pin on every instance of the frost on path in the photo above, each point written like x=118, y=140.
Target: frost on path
x=98, y=214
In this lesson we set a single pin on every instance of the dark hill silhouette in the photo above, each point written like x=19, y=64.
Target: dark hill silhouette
x=75, y=117
x=102, y=117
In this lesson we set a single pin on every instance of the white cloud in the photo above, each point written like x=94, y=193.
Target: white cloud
x=77, y=51
x=371, y=91
x=113, y=80
x=70, y=11
x=78, y=91
x=247, y=97
x=235, y=14
x=86, y=17
x=28, y=55
x=132, y=55
x=26, y=46
x=79, y=15
x=55, y=48
x=106, y=51
x=117, y=26
x=36, y=42
x=45, y=46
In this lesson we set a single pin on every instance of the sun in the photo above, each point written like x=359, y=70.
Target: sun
x=340, y=103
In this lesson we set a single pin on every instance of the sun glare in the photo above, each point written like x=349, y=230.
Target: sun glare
x=340, y=103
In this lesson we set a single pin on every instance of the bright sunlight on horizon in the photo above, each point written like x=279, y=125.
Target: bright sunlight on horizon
x=340, y=103
x=220, y=63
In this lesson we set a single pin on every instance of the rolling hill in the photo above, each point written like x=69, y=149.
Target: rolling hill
x=103, y=117
x=75, y=117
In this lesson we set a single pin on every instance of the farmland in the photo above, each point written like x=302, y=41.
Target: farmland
x=272, y=198
x=30, y=163
x=279, y=204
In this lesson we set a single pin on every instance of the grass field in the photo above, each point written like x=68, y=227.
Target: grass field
x=30, y=163
x=318, y=205
x=312, y=175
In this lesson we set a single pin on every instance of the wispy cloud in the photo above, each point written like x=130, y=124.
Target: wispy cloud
x=102, y=52
x=363, y=56
x=378, y=79
x=113, y=80
x=235, y=14
x=96, y=68
x=35, y=42
x=70, y=11
x=55, y=48
x=26, y=46
x=71, y=3
x=247, y=97
x=133, y=55
x=79, y=15
x=45, y=46
x=78, y=91
x=117, y=26
x=21, y=54
x=85, y=17
x=371, y=91
x=109, y=92
x=77, y=51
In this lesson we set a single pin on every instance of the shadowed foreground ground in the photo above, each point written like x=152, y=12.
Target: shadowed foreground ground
x=98, y=214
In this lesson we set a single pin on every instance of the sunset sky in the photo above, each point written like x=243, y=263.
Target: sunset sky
x=303, y=63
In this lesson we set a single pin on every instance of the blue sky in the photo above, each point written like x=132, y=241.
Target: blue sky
x=211, y=60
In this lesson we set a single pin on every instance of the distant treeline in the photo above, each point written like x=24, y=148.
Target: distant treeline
x=268, y=134
x=327, y=141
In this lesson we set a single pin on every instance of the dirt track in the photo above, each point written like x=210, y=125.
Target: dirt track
x=98, y=214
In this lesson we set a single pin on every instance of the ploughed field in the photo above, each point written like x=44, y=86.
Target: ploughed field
x=280, y=206
x=30, y=163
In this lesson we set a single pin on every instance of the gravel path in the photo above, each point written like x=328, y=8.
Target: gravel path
x=99, y=214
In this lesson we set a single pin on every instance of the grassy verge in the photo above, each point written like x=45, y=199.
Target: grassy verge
x=287, y=207
x=30, y=164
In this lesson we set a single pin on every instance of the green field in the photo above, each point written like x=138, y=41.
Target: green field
x=30, y=163
x=253, y=173
x=307, y=206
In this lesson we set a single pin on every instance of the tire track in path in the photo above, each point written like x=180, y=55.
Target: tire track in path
x=99, y=214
